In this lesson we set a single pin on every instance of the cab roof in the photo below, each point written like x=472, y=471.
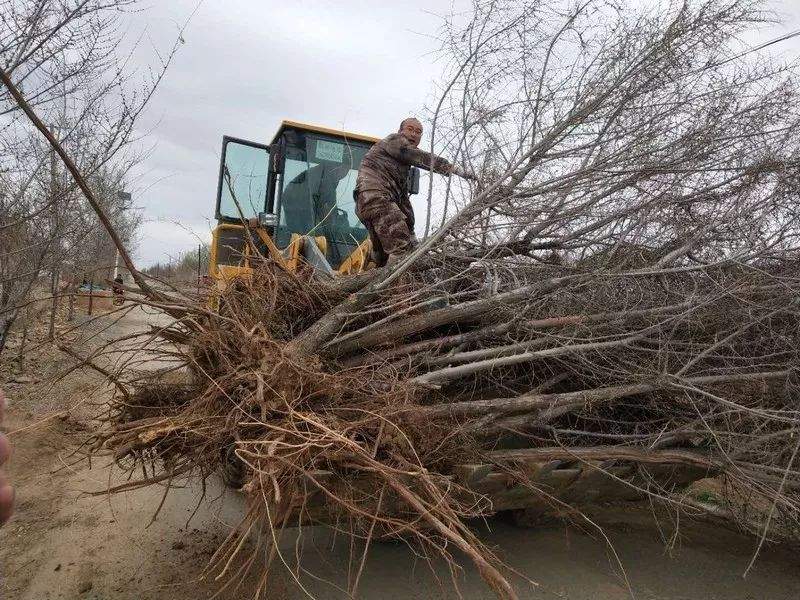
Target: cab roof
x=288, y=124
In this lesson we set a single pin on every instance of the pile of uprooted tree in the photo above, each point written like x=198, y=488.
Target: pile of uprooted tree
x=620, y=292
x=357, y=408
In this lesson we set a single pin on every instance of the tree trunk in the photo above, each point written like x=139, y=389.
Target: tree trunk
x=21, y=351
x=54, y=301
x=71, y=302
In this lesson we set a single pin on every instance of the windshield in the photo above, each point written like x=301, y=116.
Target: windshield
x=317, y=193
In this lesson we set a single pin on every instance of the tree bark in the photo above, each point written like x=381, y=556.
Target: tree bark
x=464, y=312
x=543, y=407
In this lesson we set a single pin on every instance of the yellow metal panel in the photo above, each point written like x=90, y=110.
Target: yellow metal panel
x=293, y=251
x=348, y=135
x=271, y=247
x=212, y=259
x=212, y=254
x=358, y=259
x=322, y=243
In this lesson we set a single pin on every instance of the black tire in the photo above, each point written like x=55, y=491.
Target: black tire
x=233, y=469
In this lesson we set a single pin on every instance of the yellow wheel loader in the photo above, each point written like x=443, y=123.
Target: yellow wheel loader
x=297, y=191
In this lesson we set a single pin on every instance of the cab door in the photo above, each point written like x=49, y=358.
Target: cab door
x=243, y=191
x=244, y=173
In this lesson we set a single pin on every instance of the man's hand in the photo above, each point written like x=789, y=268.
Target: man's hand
x=461, y=172
x=6, y=491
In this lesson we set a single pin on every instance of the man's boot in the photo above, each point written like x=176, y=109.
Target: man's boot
x=396, y=258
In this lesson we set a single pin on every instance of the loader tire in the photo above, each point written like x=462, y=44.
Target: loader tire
x=233, y=470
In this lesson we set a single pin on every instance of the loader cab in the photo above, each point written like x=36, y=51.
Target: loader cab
x=299, y=187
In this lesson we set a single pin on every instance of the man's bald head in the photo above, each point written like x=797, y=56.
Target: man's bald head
x=409, y=120
x=411, y=129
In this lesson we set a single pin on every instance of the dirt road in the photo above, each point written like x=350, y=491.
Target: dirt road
x=66, y=544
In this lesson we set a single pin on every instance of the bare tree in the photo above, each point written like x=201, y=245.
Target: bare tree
x=71, y=61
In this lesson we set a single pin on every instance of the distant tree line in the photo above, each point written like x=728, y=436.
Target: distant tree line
x=185, y=267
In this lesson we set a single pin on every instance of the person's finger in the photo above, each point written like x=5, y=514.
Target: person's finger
x=6, y=501
x=5, y=449
x=5, y=446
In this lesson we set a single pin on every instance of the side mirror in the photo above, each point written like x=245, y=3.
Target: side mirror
x=412, y=183
x=267, y=220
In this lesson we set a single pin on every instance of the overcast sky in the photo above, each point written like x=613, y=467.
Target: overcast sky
x=247, y=64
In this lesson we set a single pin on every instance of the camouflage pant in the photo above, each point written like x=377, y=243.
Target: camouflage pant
x=390, y=228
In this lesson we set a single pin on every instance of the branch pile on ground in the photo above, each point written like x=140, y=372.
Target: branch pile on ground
x=456, y=365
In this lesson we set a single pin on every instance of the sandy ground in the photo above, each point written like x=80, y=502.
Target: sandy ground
x=64, y=543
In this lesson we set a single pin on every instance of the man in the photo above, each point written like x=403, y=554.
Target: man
x=6, y=491
x=118, y=290
x=381, y=191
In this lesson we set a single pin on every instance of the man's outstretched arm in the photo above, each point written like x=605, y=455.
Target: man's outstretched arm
x=400, y=148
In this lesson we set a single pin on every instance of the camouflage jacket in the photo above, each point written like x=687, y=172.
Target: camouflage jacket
x=385, y=167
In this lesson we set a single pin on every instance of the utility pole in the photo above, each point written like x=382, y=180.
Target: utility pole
x=125, y=198
x=116, y=265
